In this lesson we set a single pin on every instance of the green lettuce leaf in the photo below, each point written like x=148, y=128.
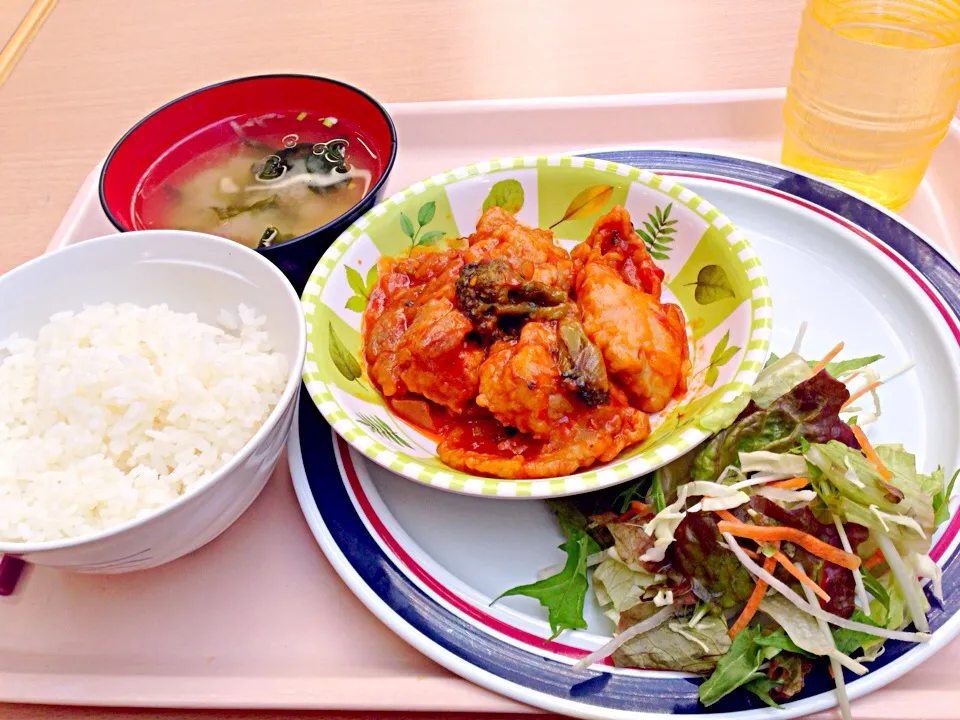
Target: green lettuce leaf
x=903, y=495
x=674, y=645
x=941, y=495
x=835, y=368
x=739, y=666
x=671, y=476
x=840, y=367
x=778, y=378
x=780, y=640
x=656, y=494
x=887, y=607
x=633, y=491
x=576, y=511
x=802, y=628
x=876, y=589
x=809, y=411
x=849, y=641
x=615, y=583
x=762, y=687
x=563, y=594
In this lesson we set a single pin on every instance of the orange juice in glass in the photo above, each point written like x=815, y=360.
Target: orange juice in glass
x=873, y=88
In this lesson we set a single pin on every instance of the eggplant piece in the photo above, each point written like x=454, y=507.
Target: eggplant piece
x=581, y=363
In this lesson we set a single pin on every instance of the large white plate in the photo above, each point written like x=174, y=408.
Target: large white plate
x=428, y=563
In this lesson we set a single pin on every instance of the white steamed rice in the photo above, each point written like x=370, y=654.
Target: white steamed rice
x=115, y=411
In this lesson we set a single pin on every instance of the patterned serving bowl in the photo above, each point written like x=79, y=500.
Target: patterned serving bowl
x=711, y=272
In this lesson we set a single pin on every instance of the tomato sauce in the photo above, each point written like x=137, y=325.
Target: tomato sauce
x=475, y=430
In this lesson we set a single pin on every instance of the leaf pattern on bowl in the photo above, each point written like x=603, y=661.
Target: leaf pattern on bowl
x=379, y=426
x=656, y=231
x=343, y=359
x=586, y=203
x=712, y=285
x=424, y=217
x=361, y=288
x=721, y=355
x=506, y=194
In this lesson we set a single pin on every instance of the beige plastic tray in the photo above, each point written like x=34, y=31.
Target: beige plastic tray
x=258, y=619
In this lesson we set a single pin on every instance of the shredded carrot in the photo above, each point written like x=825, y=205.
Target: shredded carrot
x=861, y=392
x=636, y=508
x=788, y=565
x=827, y=358
x=800, y=575
x=790, y=483
x=870, y=452
x=727, y=515
x=753, y=602
x=874, y=560
x=797, y=537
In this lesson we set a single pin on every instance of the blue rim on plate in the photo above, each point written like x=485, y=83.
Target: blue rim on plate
x=476, y=653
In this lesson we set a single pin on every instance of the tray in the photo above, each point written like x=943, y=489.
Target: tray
x=258, y=619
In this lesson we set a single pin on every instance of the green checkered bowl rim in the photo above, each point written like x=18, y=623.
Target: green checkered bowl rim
x=728, y=398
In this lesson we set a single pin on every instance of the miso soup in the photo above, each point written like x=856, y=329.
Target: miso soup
x=260, y=187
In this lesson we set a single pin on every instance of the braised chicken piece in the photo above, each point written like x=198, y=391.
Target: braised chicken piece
x=614, y=242
x=522, y=360
x=532, y=252
x=644, y=343
x=416, y=342
x=435, y=360
x=521, y=385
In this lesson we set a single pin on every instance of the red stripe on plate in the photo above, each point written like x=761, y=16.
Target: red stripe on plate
x=441, y=590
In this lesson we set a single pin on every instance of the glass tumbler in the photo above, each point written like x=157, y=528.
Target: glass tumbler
x=873, y=88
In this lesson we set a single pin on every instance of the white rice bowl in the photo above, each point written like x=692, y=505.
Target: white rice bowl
x=115, y=411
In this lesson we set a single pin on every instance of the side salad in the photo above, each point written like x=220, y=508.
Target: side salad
x=785, y=540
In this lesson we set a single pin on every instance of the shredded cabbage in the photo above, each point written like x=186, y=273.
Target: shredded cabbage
x=778, y=379
x=759, y=479
x=925, y=567
x=662, y=527
x=857, y=579
x=843, y=700
x=801, y=331
x=900, y=508
x=851, y=475
x=771, y=462
x=679, y=630
x=785, y=495
x=711, y=504
x=907, y=522
x=663, y=598
x=664, y=524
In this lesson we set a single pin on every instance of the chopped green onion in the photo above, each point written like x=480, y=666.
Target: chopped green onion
x=301, y=116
